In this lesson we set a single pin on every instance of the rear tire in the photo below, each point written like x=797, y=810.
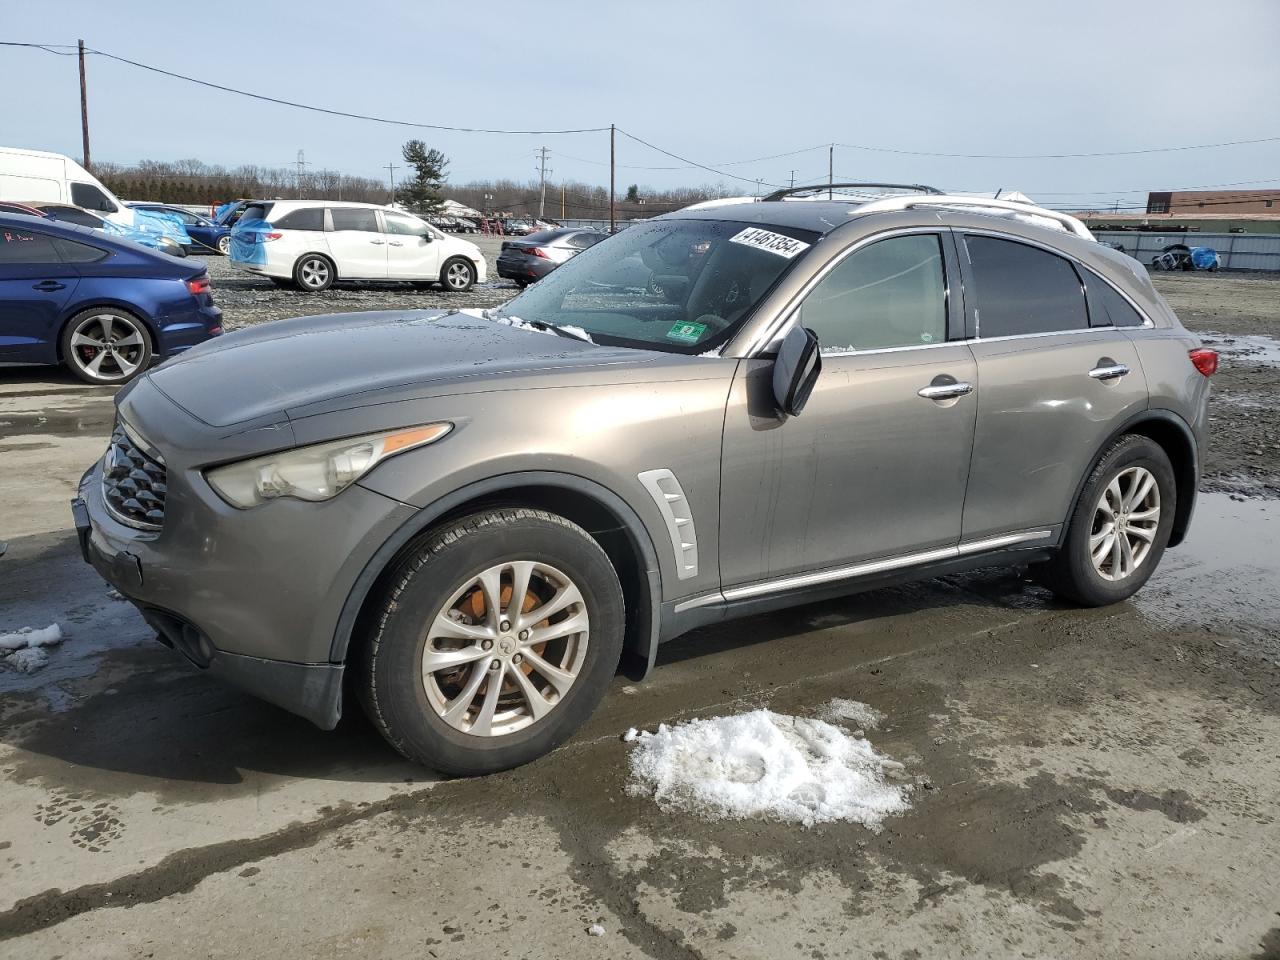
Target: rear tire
x=224, y=245
x=106, y=346
x=1120, y=527
x=450, y=623
x=314, y=272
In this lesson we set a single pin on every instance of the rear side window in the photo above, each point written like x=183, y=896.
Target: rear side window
x=91, y=198
x=26, y=246
x=1111, y=309
x=256, y=211
x=889, y=294
x=354, y=218
x=1023, y=289
x=74, y=215
x=308, y=218
x=72, y=251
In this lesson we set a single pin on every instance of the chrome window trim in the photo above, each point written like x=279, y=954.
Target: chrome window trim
x=776, y=330
x=1078, y=264
x=861, y=569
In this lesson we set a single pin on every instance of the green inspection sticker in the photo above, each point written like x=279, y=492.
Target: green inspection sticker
x=686, y=332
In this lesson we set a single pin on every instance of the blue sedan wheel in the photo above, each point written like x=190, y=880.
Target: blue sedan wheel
x=224, y=245
x=106, y=346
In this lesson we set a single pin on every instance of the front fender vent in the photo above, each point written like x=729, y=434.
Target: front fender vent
x=674, y=507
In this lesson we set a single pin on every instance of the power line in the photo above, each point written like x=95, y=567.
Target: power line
x=305, y=106
x=700, y=166
x=1056, y=156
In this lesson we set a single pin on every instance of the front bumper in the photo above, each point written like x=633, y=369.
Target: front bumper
x=228, y=589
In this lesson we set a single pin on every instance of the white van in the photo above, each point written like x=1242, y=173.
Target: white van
x=37, y=175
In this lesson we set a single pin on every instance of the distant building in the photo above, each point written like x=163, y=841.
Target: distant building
x=1234, y=202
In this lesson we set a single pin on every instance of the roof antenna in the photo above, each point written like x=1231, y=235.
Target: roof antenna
x=998, y=192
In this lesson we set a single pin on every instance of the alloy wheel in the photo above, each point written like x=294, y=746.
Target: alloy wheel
x=224, y=246
x=314, y=273
x=506, y=648
x=1125, y=521
x=108, y=347
x=458, y=276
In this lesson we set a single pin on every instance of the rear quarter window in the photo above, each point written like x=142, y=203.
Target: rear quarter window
x=1022, y=290
x=256, y=211
x=309, y=218
x=72, y=251
x=1109, y=308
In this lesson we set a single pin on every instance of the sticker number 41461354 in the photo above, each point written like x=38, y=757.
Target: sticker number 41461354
x=783, y=246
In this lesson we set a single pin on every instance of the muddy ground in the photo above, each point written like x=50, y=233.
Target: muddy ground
x=1084, y=783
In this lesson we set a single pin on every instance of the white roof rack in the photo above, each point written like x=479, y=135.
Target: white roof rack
x=1063, y=221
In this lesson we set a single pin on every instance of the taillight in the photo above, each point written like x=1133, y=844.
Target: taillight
x=1205, y=360
x=270, y=236
x=198, y=286
x=537, y=252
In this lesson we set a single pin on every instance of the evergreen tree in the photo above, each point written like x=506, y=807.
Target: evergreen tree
x=422, y=192
x=633, y=194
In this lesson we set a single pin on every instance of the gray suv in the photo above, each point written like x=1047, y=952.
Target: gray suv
x=471, y=520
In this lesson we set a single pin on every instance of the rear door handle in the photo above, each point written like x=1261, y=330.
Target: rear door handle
x=1111, y=371
x=394, y=243
x=377, y=241
x=945, y=391
x=48, y=286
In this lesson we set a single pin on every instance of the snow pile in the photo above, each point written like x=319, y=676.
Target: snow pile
x=520, y=324
x=862, y=715
x=23, y=650
x=766, y=765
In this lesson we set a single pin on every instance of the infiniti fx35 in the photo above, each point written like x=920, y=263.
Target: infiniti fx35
x=471, y=520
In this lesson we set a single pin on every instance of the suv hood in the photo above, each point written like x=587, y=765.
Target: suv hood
x=272, y=369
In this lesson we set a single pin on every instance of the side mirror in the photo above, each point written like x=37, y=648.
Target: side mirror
x=796, y=370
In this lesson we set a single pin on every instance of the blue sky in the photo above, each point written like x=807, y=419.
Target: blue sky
x=711, y=81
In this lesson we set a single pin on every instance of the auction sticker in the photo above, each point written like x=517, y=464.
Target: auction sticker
x=687, y=332
x=773, y=242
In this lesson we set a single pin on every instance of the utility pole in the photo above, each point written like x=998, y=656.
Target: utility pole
x=391, y=169
x=758, y=188
x=562, y=201
x=613, y=169
x=542, y=176
x=84, y=108
x=831, y=167
x=302, y=162
x=793, y=179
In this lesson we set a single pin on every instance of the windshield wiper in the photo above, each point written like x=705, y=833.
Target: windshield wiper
x=569, y=333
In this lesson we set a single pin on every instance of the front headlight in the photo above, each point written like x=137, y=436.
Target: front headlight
x=317, y=472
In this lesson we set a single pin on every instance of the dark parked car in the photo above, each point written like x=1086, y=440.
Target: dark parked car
x=69, y=213
x=206, y=234
x=102, y=305
x=533, y=257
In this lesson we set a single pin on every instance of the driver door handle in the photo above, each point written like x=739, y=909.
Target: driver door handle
x=48, y=286
x=394, y=243
x=379, y=242
x=945, y=391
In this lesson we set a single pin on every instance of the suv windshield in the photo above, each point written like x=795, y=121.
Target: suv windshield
x=677, y=285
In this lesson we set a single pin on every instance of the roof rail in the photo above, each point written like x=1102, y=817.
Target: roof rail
x=790, y=191
x=1065, y=220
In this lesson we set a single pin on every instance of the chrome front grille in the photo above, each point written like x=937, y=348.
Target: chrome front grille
x=133, y=484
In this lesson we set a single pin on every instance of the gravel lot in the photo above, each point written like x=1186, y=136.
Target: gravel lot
x=1083, y=783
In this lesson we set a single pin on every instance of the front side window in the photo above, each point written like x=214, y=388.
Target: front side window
x=26, y=246
x=403, y=225
x=892, y=293
x=1023, y=290
x=681, y=286
x=91, y=198
x=308, y=218
x=354, y=218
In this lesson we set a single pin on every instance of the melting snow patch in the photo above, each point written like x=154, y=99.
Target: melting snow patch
x=766, y=765
x=864, y=715
x=31, y=637
x=595, y=930
x=28, y=660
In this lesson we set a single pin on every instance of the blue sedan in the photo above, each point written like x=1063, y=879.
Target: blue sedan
x=102, y=305
x=208, y=236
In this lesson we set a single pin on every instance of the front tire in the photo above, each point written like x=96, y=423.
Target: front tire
x=1120, y=527
x=458, y=275
x=496, y=639
x=314, y=273
x=105, y=345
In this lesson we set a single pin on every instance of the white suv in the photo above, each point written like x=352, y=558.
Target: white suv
x=313, y=243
